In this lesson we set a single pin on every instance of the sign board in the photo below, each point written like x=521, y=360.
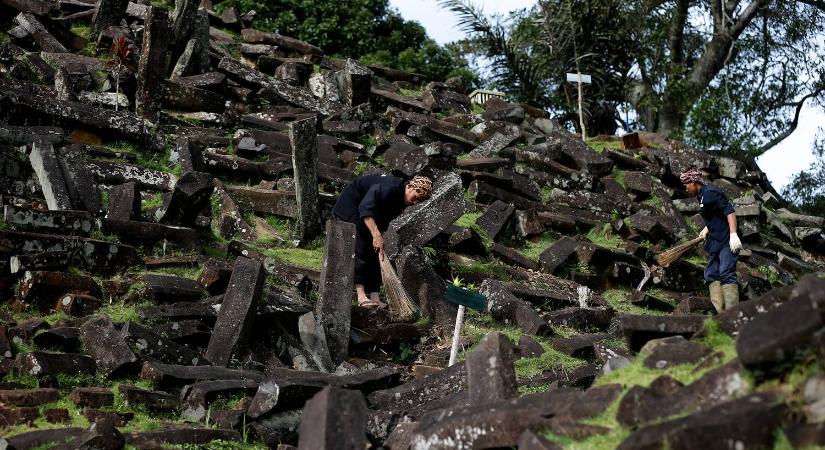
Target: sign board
x=574, y=78
x=470, y=299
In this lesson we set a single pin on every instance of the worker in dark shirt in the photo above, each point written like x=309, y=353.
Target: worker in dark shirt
x=371, y=202
x=722, y=242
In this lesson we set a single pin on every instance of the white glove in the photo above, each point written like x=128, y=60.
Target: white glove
x=704, y=233
x=735, y=244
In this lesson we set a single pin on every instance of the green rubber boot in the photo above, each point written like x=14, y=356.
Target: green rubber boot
x=717, y=296
x=731, y=292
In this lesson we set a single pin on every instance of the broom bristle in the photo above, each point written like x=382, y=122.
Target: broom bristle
x=669, y=256
x=402, y=307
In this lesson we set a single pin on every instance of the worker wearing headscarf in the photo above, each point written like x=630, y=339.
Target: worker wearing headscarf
x=722, y=242
x=371, y=202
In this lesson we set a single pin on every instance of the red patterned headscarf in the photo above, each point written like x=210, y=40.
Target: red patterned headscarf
x=692, y=175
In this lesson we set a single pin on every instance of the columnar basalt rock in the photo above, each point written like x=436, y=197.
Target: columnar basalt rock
x=336, y=287
x=303, y=138
x=236, y=316
x=154, y=60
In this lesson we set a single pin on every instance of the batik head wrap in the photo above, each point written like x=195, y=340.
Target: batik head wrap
x=422, y=185
x=692, y=175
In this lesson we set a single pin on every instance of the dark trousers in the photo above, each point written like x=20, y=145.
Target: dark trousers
x=721, y=266
x=367, y=267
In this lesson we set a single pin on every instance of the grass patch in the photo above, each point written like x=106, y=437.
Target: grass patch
x=619, y=176
x=696, y=260
x=771, y=275
x=599, y=145
x=411, y=92
x=81, y=29
x=191, y=273
x=534, y=247
x=154, y=201
x=481, y=269
x=468, y=219
x=478, y=325
x=654, y=201
x=121, y=312
x=619, y=299
x=605, y=237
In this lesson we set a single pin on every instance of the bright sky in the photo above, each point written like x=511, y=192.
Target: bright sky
x=780, y=163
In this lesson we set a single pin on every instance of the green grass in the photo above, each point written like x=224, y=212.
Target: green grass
x=468, y=219
x=696, y=260
x=619, y=176
x=599, y=145
x=772, y=277
x=478, y=109
x=533, y=247
x=81, y=29
x=619, y=299
x=154, y=201
x=654, y=201
x=605, y=237
x=284, y=227
x=411, y=92
x=481, y=269
x=478, y=325
x=191, y=273
x=121, y=312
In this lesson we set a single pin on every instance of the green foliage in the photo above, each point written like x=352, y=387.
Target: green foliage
x=771, y=275
x=478, y=270
x=619, y=299
x=599, y=145
x=368, y=30
x=806, y=189
x=605, y=237
x=654, y=201
x=533, y=247
x=154, y=201
x=406, y=353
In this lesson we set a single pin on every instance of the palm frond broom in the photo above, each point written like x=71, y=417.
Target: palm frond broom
x=669, y=256
x=402, y=308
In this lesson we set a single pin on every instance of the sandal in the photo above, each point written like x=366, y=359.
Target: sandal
x=370, y=304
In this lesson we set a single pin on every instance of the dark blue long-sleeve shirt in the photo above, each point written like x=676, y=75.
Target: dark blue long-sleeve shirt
x=378, y=196
x=715, y=207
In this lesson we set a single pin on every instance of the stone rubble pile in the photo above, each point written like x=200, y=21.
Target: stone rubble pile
x=116, y=179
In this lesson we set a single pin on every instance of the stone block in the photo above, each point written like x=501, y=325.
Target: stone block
x=422, y=222
x=557, y=254
x=237, y=313
x=52, y=183
x=107, y=346
x=336, y=287
x=303, y=138
x=334, y=418
x=491, y=377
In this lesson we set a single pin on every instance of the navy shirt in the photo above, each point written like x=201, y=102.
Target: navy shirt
x=715, y=207
x=378, y=196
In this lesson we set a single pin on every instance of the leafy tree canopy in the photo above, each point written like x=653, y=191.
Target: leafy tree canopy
x=807, y=188
x=369, y=30
x=725, y=75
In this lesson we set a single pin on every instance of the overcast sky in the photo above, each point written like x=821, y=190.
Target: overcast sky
x=780, y=163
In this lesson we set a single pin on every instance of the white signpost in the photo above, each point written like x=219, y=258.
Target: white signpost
x=580, y=79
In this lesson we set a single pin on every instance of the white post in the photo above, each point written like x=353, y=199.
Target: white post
x=459, y=322
x=581, y=114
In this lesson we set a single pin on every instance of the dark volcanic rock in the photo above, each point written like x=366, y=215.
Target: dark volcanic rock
x=44, y=363
x=750, y=420
x=491, y=377
x=637, y=330
x=333, y=418
x=105, y=343
x=235, y=319
x=781, y=333
x=506, y=307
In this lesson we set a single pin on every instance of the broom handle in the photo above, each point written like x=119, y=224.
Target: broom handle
x=459, y=322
